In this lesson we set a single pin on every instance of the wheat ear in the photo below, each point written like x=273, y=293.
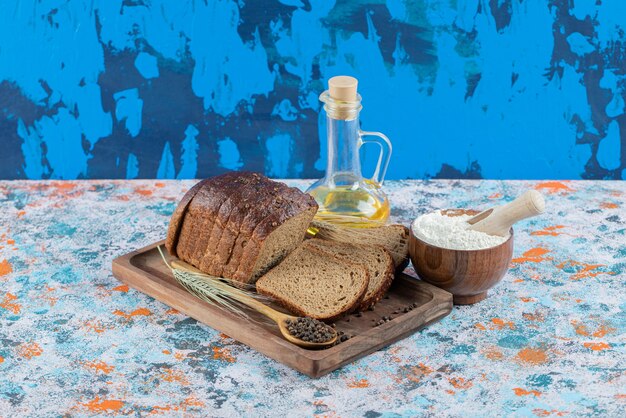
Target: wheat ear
x=216, y=291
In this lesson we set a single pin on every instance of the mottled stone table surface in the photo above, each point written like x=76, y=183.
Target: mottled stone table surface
x=549, y=340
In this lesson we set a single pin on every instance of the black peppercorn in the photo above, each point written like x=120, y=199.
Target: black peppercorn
x=310, y=330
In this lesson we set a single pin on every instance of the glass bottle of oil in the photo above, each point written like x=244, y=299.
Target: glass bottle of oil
x=343, y=195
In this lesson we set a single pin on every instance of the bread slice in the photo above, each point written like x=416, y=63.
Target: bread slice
x=263, y=243
x=399, y=250
x=312, y=283
x=374, y=257
x=395, y=239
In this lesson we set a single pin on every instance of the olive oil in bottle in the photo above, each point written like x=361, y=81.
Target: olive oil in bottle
x=345, y=205
x=343, y=195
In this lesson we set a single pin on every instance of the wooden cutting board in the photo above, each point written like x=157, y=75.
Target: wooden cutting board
x=145, y=271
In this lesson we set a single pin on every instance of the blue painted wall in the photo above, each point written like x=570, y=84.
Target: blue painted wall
x=183, y=89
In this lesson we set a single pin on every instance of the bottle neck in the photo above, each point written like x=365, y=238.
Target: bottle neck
x=343, y=148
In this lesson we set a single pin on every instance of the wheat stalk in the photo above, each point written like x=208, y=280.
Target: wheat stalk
x=217, y=291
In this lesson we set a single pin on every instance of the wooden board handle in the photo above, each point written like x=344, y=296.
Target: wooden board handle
x=501, y=219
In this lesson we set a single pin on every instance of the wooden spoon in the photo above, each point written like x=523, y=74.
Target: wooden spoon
x=498, y=221
x=276, y=316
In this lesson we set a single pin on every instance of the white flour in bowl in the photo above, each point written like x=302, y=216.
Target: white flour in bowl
x=451, y=232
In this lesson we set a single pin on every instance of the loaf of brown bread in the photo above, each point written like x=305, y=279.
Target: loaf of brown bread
x=266, y=219
x=199, y=217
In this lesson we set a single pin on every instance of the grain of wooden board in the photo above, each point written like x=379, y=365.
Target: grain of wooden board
x=145, y=271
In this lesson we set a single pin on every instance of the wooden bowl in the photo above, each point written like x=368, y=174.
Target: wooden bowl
x=467, y=274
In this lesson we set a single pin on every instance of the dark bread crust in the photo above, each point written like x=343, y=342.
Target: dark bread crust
x=242, y=221
x=247, y=250
x=186, y=242
x=299, y=311
x=176, y=222
x=201, y=213
x=228, y=221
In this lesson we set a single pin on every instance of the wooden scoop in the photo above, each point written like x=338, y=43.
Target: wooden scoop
x=498, y=221
x=276, y=316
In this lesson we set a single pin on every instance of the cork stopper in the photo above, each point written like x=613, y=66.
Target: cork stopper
x=343, y=88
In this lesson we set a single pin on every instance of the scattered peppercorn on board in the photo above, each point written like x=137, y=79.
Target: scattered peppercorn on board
x=409, y=305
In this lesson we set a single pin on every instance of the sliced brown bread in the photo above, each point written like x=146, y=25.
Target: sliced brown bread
x=201, y=213
x=399, y=234
x=395, y=239
x=374, y=257
x=192, y=219
x=254, y=253
x=243, y=220
x=228, y=218
x=195, y=236
x=311, y=283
